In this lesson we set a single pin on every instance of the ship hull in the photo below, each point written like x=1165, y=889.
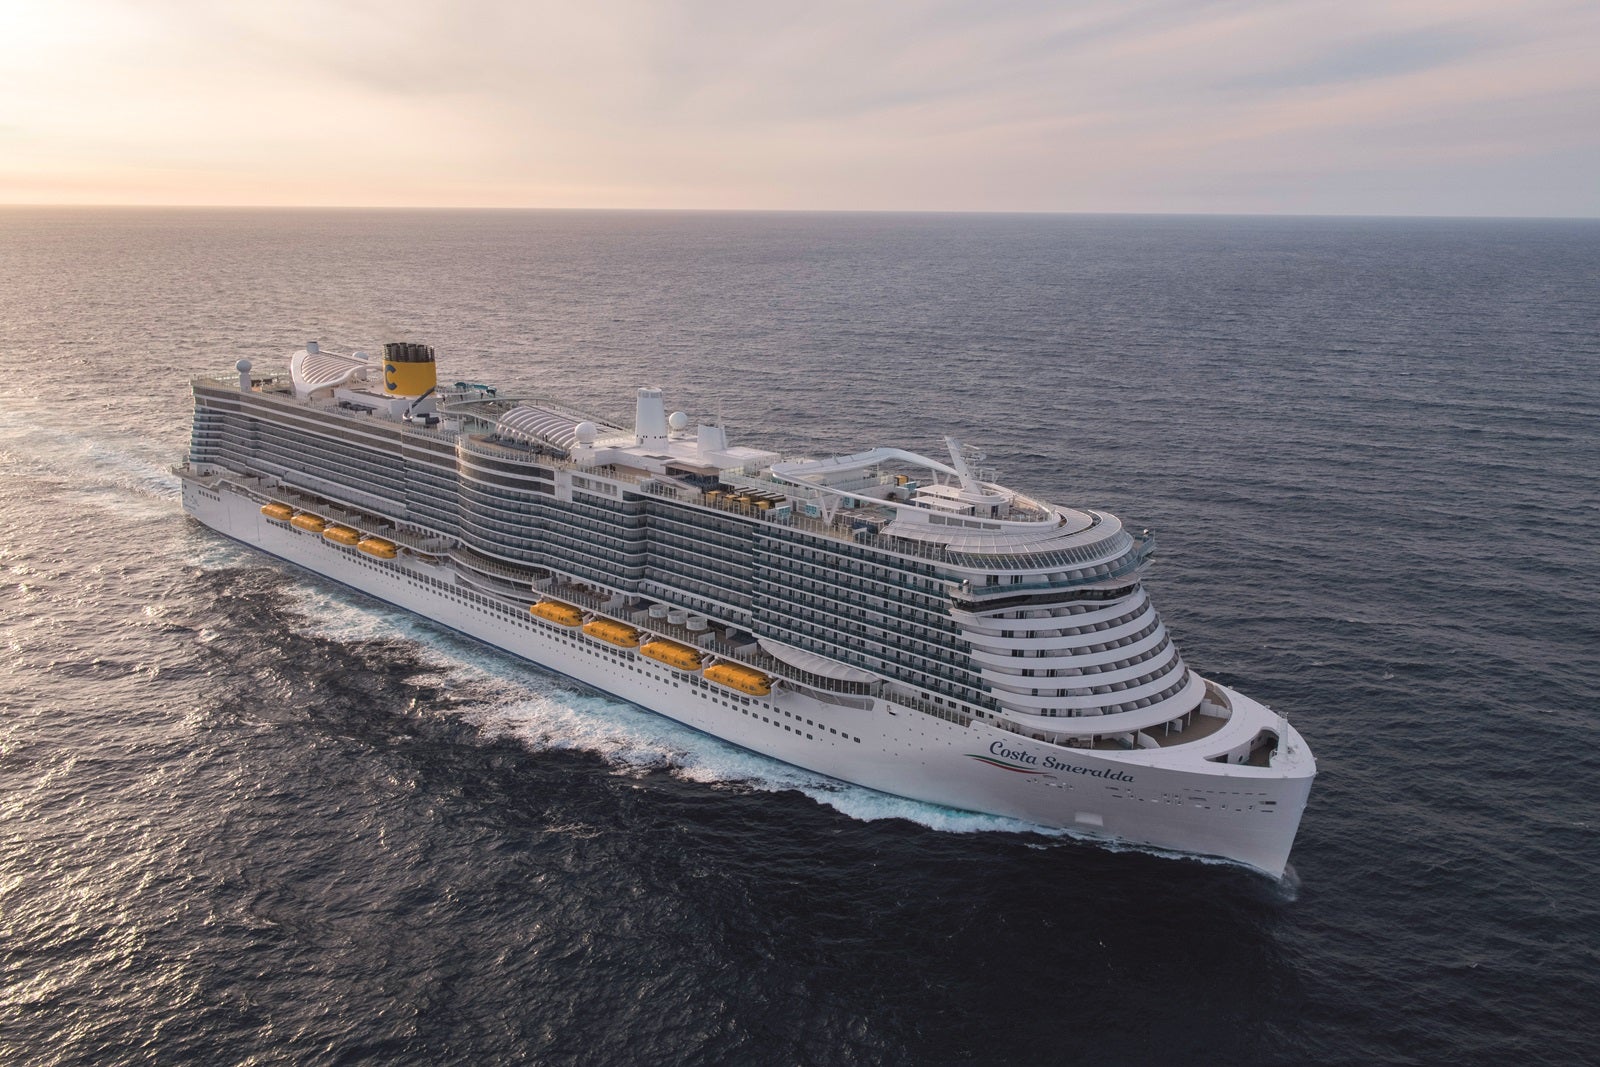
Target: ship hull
x=1245, y=814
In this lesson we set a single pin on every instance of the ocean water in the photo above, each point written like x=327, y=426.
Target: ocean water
x=251, y=817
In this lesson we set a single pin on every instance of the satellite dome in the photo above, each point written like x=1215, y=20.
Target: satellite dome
x=585, y=432
x=678, y=420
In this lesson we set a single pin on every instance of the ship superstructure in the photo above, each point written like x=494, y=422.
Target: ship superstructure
x=892, y=619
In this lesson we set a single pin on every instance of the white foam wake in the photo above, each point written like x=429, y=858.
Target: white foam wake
x=98, y=472
x=506, y=698
x=544, y=712
x=633, y=740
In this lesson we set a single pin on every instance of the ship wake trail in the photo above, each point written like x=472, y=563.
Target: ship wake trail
x=633, y=741
x=99, y=472
x=543, y=713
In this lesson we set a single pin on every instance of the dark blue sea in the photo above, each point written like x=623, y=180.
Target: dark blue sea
x=251, y=817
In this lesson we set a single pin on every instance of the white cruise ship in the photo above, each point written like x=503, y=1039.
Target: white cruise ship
x=890, y=619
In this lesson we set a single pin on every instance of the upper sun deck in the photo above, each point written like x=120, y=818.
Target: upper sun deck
x=913, y=496
x=891, y=498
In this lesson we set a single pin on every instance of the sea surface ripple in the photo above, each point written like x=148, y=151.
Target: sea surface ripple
x=251, y=817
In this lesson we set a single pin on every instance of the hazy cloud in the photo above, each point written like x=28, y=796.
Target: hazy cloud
x=1302, y=105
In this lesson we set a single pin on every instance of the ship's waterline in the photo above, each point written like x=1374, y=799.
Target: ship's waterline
x=886, y=618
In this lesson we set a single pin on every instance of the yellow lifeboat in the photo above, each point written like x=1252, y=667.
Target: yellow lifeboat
x=377, y=546
x=275, y=510
x=309, y=522
x=557, y=612
x=615, y=632
x=672, y=654
x=736, y=676
x=341, y=535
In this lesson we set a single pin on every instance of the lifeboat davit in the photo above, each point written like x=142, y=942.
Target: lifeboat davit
x=557, y=612
x=672, y=654
x=737, y=676
x=341, y=535
x=616, y=633
x=376, y=546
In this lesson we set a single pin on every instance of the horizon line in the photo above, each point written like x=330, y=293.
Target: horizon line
x=462, y=208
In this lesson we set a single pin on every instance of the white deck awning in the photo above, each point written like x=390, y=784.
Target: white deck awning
x=526, y=422
x=812, y=663
x=806, y=470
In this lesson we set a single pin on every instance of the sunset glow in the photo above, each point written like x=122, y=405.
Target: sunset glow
x=1471, y=108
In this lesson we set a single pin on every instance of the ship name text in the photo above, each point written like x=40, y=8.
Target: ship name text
x=1049, y=762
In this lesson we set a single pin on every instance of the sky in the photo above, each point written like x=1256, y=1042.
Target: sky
x=1407, y=107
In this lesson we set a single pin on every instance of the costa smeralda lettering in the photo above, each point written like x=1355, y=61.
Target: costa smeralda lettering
x=1049, y=762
